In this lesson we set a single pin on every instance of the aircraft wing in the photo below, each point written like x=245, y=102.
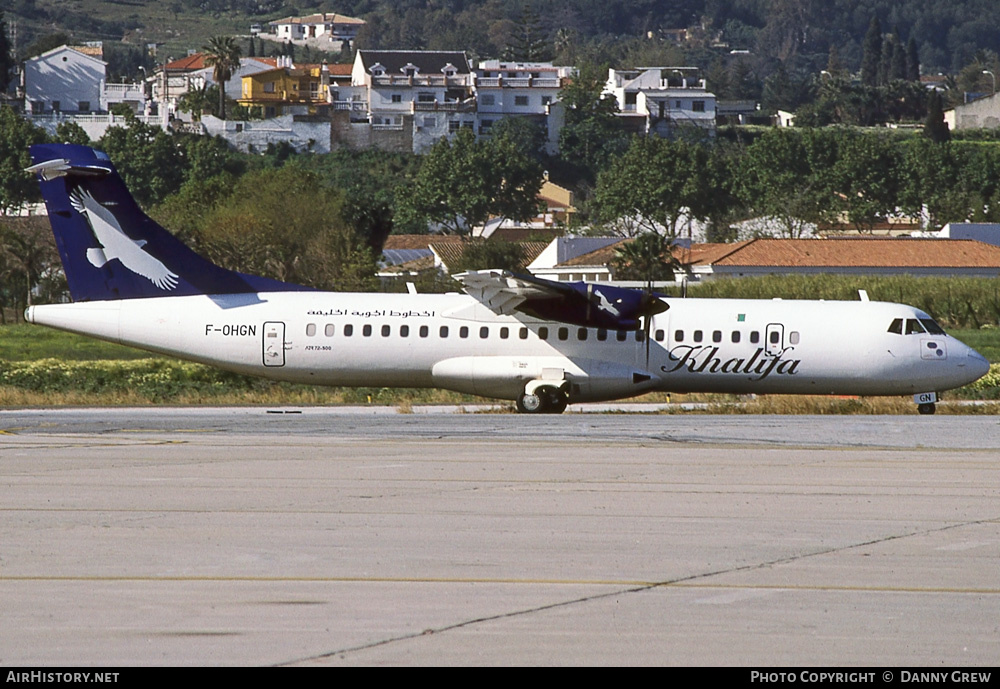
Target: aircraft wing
x=576, y=303
x=501, y=291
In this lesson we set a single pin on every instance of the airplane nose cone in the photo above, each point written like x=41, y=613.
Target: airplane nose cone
x=978, y=366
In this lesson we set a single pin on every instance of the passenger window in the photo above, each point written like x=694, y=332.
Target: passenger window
x=424, y=331
x=366, y=331
x=310, y=329
x=563, y=333
x=774, y=337
x=640, y=336
x=736, y=337
x=504, y=333
x=484, y=332
x=463, y=332
x=659, y=336
x=602, y=334
x=543, y=333
x=348, y=330
x=697, y=335
x=678, y=336
x=896, y=326
x=581, y=334
x=443, y=332
x=913, y=327
x=404, y=331
x=386, y=330
x=793, y=337
x=329, y=329
x=523, y=333
x=621, y=335
x=717, y=336
x=754, y=337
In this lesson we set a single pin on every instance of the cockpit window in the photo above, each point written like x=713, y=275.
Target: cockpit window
x=932, y=327
x=896, y=326
x=913, y=327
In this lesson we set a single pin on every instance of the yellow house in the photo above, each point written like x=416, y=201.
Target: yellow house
x=287, y=89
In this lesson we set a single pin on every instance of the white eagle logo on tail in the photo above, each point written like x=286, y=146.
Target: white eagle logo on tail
x=116, y=244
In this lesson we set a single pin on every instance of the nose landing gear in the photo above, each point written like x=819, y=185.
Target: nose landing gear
x=925, y=402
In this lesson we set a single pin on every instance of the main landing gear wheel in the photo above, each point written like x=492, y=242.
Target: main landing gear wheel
x=530, y=404
x=555, y=399
x=926, y=408
x=545, y=400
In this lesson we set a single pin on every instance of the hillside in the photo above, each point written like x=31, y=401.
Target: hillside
x=798, y=34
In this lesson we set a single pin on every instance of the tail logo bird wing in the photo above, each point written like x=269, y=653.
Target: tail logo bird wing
x=115, y=244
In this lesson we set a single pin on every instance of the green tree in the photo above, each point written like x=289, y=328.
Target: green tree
x=148, y=159
x=592, y=133
x=184, y=212
x=7, y=59
x=865, y=180
x=871, y=56
x=283, y=223
x=200, y=101
x=29, y=250
x=649, y=188
x=71, y=133
x=461, y=183
x=933, y=183
x=486, y=254
x=45, y=44
x=648, y=257
x=781, y=176
x=372, y=182
x=17, y=187
x=222, y=54
x=527, y=42
x=935, y=128
x=208, y=156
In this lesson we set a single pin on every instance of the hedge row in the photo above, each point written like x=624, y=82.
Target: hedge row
x=954, y=302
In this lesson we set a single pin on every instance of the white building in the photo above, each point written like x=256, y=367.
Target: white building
x=434, y=88
x=67, y=84
x=64, y=79
x=982, y=113
x=324, y=26
x=522, y=89
x=660, y=100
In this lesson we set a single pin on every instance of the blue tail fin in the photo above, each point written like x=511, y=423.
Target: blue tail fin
x=110, y=249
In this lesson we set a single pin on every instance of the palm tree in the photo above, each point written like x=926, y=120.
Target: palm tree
x=648, y=257
x=223, y=54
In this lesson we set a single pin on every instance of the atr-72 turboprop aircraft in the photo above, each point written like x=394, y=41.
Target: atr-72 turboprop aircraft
x=541, y=343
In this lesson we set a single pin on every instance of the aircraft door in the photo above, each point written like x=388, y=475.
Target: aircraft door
x=774, y=339
x=274, y=343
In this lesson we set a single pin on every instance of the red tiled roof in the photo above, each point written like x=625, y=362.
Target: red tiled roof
x=866, y=253
x=599, y=257
x=451, y=252
x=825, y=253
x=417, y=241
x=197, y=61
x=193, y=61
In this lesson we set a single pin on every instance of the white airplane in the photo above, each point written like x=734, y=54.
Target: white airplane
x=540, y=343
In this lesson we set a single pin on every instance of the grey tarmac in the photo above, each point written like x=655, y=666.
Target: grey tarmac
x=304, y=537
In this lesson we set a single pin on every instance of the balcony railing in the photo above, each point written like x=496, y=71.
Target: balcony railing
x=418, y=80
x=519, y=82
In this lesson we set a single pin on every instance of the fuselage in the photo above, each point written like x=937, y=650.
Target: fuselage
x=453, y=341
